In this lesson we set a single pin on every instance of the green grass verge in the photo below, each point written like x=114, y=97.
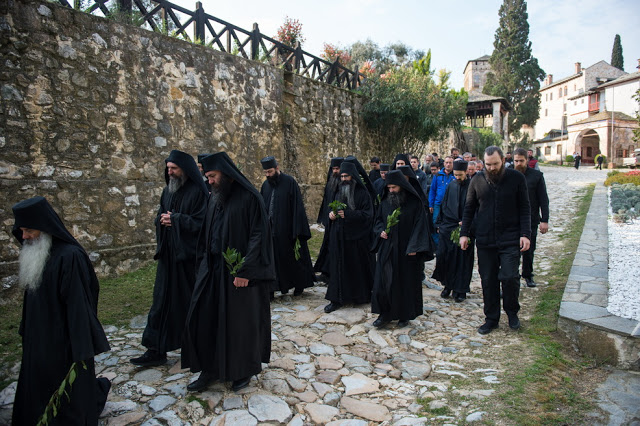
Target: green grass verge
x=544, y=391
x=10, y=341
x=126, y=297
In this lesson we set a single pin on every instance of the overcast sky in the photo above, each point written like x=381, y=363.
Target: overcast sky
x=562, y=32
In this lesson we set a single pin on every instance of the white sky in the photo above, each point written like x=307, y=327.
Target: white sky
x=562, y=32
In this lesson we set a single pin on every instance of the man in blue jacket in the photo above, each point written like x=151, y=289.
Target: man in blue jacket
x=438, y=187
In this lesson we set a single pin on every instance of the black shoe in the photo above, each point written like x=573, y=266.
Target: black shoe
x=332, y=307
x=460, y=297
x=514, y=322
x=150, y=358
x=240, y=384
x=487, y=328
x=530, y=282
x=380, y=322
x=298, y=291
x=445, y=293
x=201, y=383
x=403, y=323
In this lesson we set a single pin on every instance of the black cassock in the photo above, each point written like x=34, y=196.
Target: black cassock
x=60, y=326
x=175, y=276
x=397, y=289
x=350, y=262
x=454, y=266
x=289, y=222
x=228, y=330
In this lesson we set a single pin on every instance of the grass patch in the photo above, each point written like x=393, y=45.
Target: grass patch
x=126, y=297
x=203, y=404
x=10, y=341
x=546, y=385
x=315, y=243
x=437, y=411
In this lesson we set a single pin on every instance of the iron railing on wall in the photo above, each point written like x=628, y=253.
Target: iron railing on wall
x=171, y=19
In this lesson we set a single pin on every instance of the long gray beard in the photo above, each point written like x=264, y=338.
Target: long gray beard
x=346, y=194
x=398, y=199
x=175, y=183
x=33, y=258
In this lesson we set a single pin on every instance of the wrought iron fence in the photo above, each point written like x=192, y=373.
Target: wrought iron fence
x=171, y=19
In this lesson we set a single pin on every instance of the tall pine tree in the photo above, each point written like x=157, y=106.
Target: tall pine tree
x=616, y=54
x=515, y=74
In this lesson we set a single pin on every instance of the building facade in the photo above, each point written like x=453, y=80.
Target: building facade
x=475, y=74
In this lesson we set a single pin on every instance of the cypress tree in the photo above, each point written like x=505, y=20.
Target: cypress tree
x=515, y=74
x=616, y=54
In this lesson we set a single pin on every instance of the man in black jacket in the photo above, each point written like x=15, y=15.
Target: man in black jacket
x=539, y=201
x=498, y=199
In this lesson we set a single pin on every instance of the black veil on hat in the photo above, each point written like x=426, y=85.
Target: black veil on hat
x=403, y=157
x=37, y=213
x=201, y=156
x=396, y=177
x=188, y=166
x=350, y=169
x=222, y=162
x=269, y=162
x=460, y=165
x=364, y=176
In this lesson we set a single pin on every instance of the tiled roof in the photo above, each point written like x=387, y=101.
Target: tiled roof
x=622, y=79
x=605, y=115
x=475, y=96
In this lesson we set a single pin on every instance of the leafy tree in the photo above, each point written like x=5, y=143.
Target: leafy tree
x=290, y=32
x=407, y=108
x=515, y=74
x=636, y=132
x=616, y=54
x=381, y=59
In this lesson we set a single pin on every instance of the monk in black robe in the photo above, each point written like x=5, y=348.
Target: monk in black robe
x=228, y=329
x=454, y=266
x=330, y=188
x=59, y=324
x=379, y=184
x=289, y=229
x=182, y=209
x=397, y=288
x=350, y=262
x=364, y=177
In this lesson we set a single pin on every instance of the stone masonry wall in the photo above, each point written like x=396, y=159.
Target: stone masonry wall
x=91, y=108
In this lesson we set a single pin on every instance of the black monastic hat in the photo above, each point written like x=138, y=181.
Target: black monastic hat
x=37, y=213
x=460, y=165
x=385, y=167
x=269, y=162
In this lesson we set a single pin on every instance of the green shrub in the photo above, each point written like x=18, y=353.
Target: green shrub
x=569, y=159
x=625, y=200
x=632, y=177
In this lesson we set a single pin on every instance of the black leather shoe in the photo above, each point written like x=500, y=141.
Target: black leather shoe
x=530, y=282
x=150, y=358
x=201, y=383
x=332, y=307
x=380, y=322
x=487, y=328
x=403, y=323
x=298, y=291
x=445, y=293
x=240, y=384
x=514, y=322
x=460, y=297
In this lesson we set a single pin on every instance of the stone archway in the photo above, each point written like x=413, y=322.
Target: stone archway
x=588, y=145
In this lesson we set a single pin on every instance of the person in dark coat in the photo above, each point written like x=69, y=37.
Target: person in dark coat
x=59, y=324
x=178, y=222
x=498, y=205
x=374, y=173
x=350, y=262
x=289, y=229
x=379, y=185
x=539, y=201
x=228, y=328
x=576, y=160
x=364, y=177
x=454, y=267
x=330, y=188
x=397, y=288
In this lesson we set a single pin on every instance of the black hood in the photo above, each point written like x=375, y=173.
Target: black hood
x=37, y=213
x=188, y=166
x=396, y=177
x=403, y=157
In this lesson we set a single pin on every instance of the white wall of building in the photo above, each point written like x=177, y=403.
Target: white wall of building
x=619, y=97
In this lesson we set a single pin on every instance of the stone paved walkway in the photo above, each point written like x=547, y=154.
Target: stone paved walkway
x=336, y=368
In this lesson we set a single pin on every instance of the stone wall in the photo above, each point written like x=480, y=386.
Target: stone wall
x=91, y=108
